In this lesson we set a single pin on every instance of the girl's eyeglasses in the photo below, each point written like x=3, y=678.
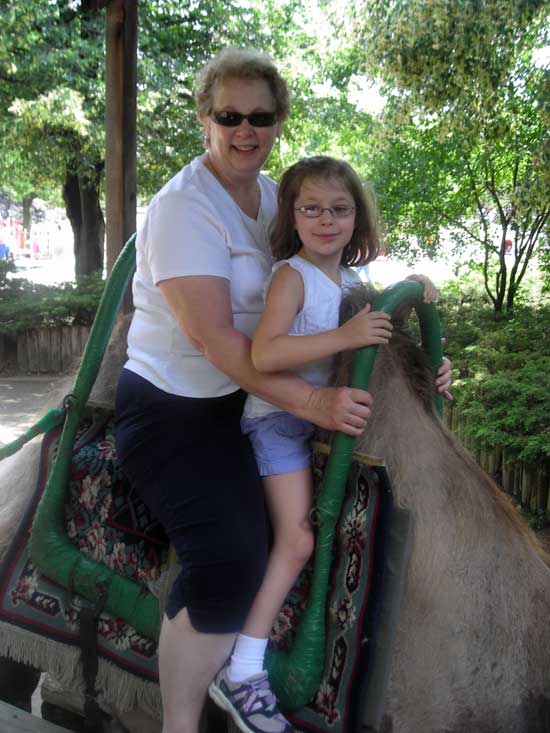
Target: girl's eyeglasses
x=234, y=119
x=314, y=212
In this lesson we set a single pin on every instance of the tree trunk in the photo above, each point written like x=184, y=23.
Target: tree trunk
x=120, y=125
x=27, y=203
x=81, y=197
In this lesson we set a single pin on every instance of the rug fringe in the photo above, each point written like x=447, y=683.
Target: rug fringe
x=118, y=689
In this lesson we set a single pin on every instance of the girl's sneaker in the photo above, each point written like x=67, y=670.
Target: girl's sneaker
x=251, y=703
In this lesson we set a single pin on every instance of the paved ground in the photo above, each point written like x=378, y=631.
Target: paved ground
x=22, y=401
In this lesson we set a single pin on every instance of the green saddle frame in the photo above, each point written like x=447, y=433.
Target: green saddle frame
x=55, y=556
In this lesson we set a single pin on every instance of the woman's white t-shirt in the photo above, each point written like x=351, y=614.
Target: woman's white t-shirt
x=193, y=227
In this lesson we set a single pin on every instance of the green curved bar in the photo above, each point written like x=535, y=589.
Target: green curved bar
x=49, y=420
x=51, y=551
x=296, y=674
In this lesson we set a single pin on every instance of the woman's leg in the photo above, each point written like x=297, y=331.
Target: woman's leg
x=214, y=513
x=188, y=660
x=221, y=546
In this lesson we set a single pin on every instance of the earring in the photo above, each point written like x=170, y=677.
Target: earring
x=206, y=140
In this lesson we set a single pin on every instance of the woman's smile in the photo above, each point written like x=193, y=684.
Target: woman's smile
x=244, y=149
x=239, y=152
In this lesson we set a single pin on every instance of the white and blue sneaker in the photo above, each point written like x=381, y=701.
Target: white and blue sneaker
x=251, y=703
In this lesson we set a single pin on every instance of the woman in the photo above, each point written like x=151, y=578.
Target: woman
x=202, y=258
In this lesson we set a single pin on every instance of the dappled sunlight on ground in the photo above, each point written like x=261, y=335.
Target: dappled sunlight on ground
x=22, y=402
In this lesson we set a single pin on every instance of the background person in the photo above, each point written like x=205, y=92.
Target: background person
x=4, y=246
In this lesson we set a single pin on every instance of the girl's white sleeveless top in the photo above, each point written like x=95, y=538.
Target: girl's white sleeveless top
x=320, y=312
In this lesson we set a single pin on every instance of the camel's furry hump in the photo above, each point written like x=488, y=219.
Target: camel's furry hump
x=19, y=472
x=473, y=648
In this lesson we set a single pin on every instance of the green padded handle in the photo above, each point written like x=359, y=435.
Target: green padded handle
x=51, y=551
x=56, y=557
x=296, y=675
x=49, y=420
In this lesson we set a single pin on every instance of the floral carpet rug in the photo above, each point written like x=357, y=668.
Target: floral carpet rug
x=351, y=608
x=107, y=522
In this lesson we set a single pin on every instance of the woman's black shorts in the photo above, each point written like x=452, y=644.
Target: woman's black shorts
x=192, y=466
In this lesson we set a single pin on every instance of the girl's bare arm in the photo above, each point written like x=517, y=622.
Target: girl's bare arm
x=273, y=349
x=202, y=307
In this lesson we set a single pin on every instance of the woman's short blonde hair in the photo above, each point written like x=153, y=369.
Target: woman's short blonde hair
x=240, y=63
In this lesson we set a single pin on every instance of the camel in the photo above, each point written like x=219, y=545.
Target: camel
x=471, y=651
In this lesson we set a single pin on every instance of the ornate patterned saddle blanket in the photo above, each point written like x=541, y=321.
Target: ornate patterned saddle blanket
x=106, y=521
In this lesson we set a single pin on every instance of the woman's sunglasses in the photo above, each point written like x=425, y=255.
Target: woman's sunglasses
x=234, y=119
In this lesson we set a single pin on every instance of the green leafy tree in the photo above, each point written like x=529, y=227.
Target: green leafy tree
x=463, y=149
x=51, y=91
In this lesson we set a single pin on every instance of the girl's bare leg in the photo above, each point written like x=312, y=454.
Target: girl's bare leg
x=289, y=498
x=188, y=660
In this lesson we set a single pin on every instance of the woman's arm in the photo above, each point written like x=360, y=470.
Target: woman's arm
x=272, y=347
x=202, y=307
x=431, y=293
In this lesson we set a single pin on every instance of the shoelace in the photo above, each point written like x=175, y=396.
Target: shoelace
x=259, y=693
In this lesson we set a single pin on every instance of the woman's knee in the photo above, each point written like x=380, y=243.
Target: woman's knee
x=219, y=586
x=244, y=562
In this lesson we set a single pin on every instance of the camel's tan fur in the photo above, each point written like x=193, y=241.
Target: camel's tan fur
x=473, y=647
x=18, y=477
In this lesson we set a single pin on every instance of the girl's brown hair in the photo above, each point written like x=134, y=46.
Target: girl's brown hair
x=366, y=240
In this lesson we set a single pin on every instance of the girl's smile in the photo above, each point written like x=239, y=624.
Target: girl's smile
x=324, y=237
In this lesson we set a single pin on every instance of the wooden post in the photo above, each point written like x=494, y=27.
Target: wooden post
x=120, y=124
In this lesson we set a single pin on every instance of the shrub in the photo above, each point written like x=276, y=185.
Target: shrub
x=25, y=305
x=6, y=266
x=502, y=367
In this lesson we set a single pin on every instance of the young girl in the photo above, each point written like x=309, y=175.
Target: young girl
x=326, y=223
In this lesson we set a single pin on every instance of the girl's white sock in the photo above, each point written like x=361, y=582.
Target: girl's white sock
x=247, y=658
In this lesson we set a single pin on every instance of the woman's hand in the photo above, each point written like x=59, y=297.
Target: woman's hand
x=444, y=374
x=431, y=293
x=366, y=328
x=444, y=379
x=339, y=408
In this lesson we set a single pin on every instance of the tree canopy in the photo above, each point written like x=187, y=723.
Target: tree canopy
x=460, y=152
x=462, y=149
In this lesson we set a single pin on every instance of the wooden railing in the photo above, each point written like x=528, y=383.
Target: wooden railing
x=44, y=350
x=528, y=483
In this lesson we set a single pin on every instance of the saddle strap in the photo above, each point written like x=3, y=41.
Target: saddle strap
x=94, y=717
